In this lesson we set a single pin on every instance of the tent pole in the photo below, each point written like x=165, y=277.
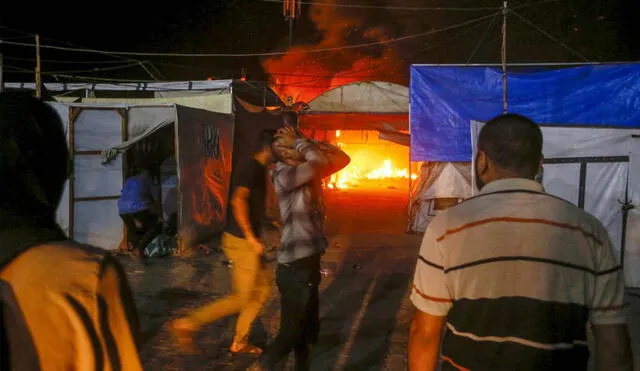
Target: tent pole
x=38, y=72
x=504, y=56
x=410, y=185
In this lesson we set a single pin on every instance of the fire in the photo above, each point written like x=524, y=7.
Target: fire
x=303, y=76
x=367, y=163
x=352, y=175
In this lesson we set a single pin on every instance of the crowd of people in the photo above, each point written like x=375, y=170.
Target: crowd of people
x=511, y=279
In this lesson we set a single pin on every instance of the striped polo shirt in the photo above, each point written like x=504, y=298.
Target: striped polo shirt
x=518, y=273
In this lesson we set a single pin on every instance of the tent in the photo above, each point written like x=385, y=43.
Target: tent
x=208, y=147
x=589, y=114
x=364, y=105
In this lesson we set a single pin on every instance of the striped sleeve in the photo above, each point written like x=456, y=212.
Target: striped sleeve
x=429, y=292
x=608, y=305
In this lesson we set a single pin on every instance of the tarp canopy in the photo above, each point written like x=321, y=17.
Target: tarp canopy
x=364, y=105
x=445, y=99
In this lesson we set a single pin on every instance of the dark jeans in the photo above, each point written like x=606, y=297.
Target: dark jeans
x=140, y=237
x=300, y=313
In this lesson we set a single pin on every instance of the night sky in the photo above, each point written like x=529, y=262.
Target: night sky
x=604, y=30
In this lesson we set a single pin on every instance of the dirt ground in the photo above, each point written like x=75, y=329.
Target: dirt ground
x=365, y=311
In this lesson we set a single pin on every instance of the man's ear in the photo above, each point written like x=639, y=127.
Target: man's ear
x=482, y=163
x=541, y=164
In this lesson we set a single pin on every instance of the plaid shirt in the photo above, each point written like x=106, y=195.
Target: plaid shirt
x=301, y=202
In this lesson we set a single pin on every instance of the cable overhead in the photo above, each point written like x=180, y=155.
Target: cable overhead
x=391, y=7
x=348, y=74
x=58, y=61
x=484, y=35
x=548, y=35
x=320, y=50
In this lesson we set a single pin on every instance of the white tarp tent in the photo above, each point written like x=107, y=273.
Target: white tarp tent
x=88, y=209
x=597, y=169
x=437, y=180
x=364, y=105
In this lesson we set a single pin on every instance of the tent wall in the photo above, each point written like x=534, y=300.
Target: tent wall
x=88, y=209
x=437, y=180
x=363, y=97
x=592, y=168
x=445, y=98
x=212, y=102
x=62, y=214
x=204, y=156
x=94, y=189
x=353, y=121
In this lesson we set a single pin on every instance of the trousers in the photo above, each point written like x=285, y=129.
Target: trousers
x=300, y=313
x=251, y=289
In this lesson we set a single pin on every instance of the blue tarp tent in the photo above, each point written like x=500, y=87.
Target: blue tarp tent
x=445, y=99
x=590, y=119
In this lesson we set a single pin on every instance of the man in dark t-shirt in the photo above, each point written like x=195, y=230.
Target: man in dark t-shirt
x=241, y=244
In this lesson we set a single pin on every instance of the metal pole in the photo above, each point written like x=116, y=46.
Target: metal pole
x=38, y=76
x=504, y=57
x=1, y=80
x=290, y=31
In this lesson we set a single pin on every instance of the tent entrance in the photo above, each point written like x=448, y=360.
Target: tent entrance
x=158, y=152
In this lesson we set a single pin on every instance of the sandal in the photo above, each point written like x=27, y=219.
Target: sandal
x=245, y=349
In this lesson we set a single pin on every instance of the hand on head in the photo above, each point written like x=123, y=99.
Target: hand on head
x=284, y=145
x=287, y=136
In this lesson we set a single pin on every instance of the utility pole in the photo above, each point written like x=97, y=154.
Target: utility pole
x=290, y=10
x=1, y=80
x=504, y=56
x=38, y=74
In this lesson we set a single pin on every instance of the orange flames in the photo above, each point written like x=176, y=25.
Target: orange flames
x=303, y=76
x=366, y=165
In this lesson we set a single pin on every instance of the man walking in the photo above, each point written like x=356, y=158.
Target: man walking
x=513, y=275
x=241, y=244
x=63, y=305
x=302, y=164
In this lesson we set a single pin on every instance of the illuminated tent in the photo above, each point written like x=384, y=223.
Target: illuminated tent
x=365, y=105
x=589, y=115
x=208, y=147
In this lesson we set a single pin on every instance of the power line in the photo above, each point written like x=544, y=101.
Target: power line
x=78, y=71
x=350, y=74
x=548, y=35
x=484, y=35
x=385, y=7
x=356, y=46
x=57, y=61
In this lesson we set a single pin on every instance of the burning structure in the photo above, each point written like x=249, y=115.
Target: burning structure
x=353, y=116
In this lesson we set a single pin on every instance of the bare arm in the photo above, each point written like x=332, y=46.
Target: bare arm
x=337, y=159
x=613, y=348
x=294, y=177
x=424, y=341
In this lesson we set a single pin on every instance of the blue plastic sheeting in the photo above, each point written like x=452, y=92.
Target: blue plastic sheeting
x=445, y=99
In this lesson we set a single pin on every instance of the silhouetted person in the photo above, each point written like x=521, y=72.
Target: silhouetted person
x=241, y=244
x=65, y=306
x=513, y=275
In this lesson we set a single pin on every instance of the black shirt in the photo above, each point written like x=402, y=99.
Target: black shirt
x=252, y=176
